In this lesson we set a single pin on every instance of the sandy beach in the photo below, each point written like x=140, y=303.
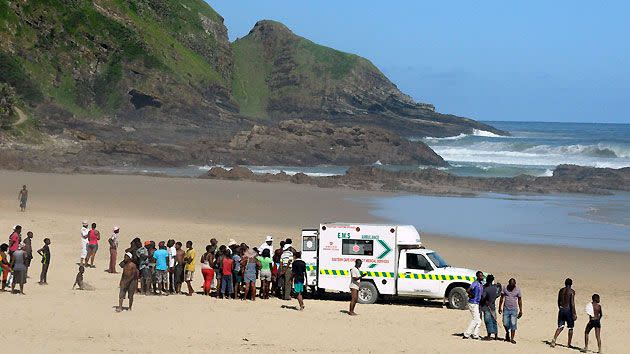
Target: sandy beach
x=55, y=318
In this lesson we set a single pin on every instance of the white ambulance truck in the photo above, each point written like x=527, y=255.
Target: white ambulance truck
x=394, y=262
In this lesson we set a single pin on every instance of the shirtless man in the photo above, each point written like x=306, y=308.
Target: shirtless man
x=128, y=282
x=566, y=311
x=594, y=322
x=23, y=198
x=179, y=267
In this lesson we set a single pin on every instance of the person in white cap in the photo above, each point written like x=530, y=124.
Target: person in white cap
x=267, y=245
x=113, y=249
x=85, y=230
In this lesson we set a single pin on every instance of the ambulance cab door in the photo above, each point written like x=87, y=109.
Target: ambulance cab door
x=309, y=255
x=412, y=268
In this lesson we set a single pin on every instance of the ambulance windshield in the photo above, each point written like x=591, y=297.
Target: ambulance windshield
x=437, y=260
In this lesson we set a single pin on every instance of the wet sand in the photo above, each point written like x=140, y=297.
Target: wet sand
x=55, y=318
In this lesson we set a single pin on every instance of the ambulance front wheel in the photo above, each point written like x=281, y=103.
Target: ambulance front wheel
x=368, y=294
x=458, y=298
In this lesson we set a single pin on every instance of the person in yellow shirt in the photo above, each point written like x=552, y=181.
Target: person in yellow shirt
x=189, y=258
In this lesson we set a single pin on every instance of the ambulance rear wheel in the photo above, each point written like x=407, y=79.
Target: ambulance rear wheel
x=458, y=298
x=368, y=294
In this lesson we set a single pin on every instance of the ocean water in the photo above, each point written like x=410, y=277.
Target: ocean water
x=534, y=148
x=593, y=222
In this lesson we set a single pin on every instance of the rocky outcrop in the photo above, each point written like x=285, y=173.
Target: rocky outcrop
x=282, y=75
x=300, y=143
x=566, y=179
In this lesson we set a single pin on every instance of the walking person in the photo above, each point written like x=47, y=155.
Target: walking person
x=85, y=231
x=250, y=265
x=265, y=273
x=44, y=252
x=474, y=297
x=189, y=269
x=23, y=198
x=93, y=237
x=128, y=282
x=113, y=250
x=355, y=279
x=298, y=275
x=511, y=305
x=594, y=311
x=207, y=262
x=566, y=311
x=488, y=307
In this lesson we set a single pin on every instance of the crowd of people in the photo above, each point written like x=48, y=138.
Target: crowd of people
x=483, y=293
x=16, y=257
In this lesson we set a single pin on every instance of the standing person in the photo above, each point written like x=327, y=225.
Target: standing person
x=474, y=297
x=511, y=305
x=128, y=282
x=172, y=252
x=250, y=265
x=18, y=264
x=265, y=273
x=113, y=249
x=298, y=275
x=28, y=248
x=190, y=266
x=85, y=231
x=45, y=253
x=218, y=262
x=276, y=281
x=143, y=263
x=286, y=259
x=355, y=278
x=179, y=267
x=5, y=264
x=267, y=245
x=152, y=272
x=161, y=268
x=488, y=307
x=594, y=310
x=14, y=240
x=566, y=311
x=93, y=237
x=207, y=261
x=227, y=265
x=23, y=198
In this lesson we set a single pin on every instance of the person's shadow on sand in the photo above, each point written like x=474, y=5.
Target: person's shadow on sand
x=290, y=307
x=123, y=308
x=548, y=342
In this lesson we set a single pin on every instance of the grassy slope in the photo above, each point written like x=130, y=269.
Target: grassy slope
x=153, y=42
x=322, y=68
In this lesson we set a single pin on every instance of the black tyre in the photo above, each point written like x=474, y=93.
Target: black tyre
x=368, y=294
x=458, y=298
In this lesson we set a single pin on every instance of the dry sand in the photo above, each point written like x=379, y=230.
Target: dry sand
x=55, y=318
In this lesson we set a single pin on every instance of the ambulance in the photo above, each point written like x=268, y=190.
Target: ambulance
x=394, y=263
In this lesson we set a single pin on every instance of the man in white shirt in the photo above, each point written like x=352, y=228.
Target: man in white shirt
x=355, y=279
x=267, y=245
x=172, y=252
x=85, y=230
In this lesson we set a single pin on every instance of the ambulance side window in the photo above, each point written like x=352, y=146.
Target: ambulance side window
x=357, y=247
x=417, y=261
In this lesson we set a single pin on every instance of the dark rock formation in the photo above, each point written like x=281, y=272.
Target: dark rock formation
x=566, y=179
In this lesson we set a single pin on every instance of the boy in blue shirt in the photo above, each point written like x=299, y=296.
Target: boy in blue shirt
x=161, y=268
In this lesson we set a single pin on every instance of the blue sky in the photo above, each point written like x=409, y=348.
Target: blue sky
x=488, y=60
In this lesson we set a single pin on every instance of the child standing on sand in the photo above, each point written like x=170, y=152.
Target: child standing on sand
x=45, y=253
x=594, y=310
